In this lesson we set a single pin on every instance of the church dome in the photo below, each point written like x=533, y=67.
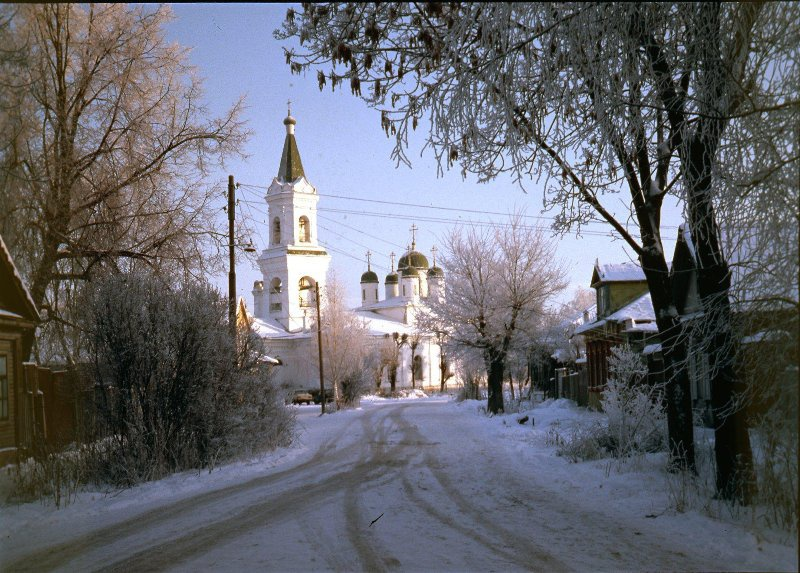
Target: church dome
x=392, y=279
x=435, y=271
x=412, y=259
x=369, y=277
x=410, y=271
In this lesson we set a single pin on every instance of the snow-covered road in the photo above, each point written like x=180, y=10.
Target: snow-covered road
x=420, y=485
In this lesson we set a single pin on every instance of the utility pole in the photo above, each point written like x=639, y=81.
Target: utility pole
x=232, y=261
x=319, y=345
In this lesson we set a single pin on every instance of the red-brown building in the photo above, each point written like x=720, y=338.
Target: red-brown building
x=624, y=316
x=18, y=320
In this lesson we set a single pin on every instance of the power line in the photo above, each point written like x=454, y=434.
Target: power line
x=437, y=207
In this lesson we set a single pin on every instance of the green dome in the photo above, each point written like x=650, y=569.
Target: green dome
x=369, y=277
x=412, y=259
x=392, y=279
x=435, y=272
x=410, y=272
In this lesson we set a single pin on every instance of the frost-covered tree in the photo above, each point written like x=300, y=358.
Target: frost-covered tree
x=105, y=152
x=633, y=407
x=597, y=99
x=345, y=345
x=500, y=278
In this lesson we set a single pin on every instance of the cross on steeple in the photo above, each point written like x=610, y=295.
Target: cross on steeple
x=414, y=230
x=289, y=107
x=392, y=256
x=433, y=251
x=369, y=255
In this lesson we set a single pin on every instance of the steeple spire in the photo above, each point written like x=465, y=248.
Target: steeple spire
x=291, y=167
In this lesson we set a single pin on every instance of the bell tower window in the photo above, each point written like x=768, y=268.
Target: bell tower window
x=276, y=231
x=307, y=297
x=305, y=230
x=275, y=295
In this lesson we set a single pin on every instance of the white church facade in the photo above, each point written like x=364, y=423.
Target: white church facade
x=295, y=264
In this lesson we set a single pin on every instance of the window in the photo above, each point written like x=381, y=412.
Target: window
x=3, y=388
x=419, y=372
x=275, y=288
x=276, y=231
x=602, y=301
x=305, y=230
x=306, y=292
x=363, y=294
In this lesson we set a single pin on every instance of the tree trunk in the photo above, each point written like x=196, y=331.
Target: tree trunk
x=735, y=478
x=495, y=370
x=678, y=398
x=511, y=384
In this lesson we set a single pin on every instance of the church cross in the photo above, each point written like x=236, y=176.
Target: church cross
x=369, y=255
x=289, y=106
x=392, y=256
x=414, y=230
x=434, y=250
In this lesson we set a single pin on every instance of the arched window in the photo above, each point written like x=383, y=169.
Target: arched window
x=276, y=231
x=275, y=295
x=307, y=296
x=305, y=230
x=419, y=371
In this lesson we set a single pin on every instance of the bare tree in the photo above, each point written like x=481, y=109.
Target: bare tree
x=345, y=344
x=107, y=146
x=499, y=280
x=595, y=98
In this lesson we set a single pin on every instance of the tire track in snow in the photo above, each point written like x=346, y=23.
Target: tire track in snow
x=488, y=532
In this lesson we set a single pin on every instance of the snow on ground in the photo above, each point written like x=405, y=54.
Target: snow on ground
x=466, y=492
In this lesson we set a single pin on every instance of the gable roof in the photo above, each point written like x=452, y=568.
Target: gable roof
x=617, y=272
x=14, y=295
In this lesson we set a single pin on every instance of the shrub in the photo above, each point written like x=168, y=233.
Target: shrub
x=173, y=390
x=636, y=420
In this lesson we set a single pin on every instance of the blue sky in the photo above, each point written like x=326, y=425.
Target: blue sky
x=346, y=156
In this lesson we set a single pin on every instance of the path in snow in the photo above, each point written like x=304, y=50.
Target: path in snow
x=411, y=486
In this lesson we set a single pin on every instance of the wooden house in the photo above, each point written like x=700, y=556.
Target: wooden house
x=18, y=321
x=624, y=316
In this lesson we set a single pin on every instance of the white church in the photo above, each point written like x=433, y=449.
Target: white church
x=294, y=263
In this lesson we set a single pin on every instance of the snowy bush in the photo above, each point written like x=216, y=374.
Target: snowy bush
x=636, y=420
x=580, y=442
x=173, y=390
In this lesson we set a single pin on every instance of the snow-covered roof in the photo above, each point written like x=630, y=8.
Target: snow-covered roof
x=640, y=311
x=766, y=336
x=395, y=302
x=380, y=325
x=269, y=360
x=617, y=272
x=642, y=327
x=267, y=328
x=651, y=349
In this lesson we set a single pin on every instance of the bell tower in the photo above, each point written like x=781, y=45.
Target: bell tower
x=294, y=262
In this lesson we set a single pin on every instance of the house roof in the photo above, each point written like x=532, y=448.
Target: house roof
x=640, y=311
x=617, y=272
x=14, y=295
